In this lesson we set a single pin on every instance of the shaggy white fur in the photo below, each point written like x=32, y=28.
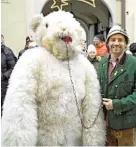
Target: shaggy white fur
x=40, y=107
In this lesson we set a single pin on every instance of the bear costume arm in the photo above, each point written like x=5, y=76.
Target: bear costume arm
x=19, y=121
x=93, y=134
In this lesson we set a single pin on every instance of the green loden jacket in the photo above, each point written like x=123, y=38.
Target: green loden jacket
x=122, y=90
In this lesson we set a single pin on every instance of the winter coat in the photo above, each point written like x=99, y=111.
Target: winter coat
x=122, y=90
x=40, y=107
x=95, y=62
x=102, y=49
x=8, y=61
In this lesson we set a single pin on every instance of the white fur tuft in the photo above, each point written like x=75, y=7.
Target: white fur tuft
x=55, y=26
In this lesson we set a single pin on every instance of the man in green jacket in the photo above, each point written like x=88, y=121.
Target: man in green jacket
x=117, y=75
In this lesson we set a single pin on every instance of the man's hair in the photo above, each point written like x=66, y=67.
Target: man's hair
x=100, y=37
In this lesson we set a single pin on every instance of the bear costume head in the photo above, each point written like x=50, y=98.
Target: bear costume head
x=59, y=33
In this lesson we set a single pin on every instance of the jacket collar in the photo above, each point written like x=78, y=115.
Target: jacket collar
x=119, y=69
x=107, y=57
x=123, y=59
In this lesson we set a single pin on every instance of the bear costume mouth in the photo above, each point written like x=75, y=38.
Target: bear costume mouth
x=67, y=39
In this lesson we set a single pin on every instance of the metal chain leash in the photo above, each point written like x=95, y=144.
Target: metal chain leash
x=76, y=99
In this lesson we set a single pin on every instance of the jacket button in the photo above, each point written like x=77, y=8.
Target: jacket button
x=119, y=114
x=122, y=70
x=116, y=86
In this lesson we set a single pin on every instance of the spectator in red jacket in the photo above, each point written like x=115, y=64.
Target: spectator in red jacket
x=99, y=43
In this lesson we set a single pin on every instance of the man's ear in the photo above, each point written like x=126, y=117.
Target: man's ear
x=36, y=21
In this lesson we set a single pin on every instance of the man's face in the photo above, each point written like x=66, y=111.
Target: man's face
x=117, y=44
x=97, y=43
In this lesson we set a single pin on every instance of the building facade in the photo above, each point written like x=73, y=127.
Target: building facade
x=95, y=16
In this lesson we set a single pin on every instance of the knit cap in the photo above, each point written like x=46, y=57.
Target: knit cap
x=91, y=47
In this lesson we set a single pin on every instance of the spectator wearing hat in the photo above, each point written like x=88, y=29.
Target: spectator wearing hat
x=91, y=56
x=8, y=61
x=117, y=75
x=28, y=41
x=132, y=48
x=99, y=43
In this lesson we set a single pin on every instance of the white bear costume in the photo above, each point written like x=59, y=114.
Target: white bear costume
x=52, y=89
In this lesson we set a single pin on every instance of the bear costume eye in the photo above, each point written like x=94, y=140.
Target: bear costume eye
x=46, y=25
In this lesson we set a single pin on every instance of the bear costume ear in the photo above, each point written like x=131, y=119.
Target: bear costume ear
x=36, y=21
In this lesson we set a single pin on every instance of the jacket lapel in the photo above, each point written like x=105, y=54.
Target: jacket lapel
x=117, y=72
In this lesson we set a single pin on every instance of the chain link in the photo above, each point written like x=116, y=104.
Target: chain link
x=76, y=99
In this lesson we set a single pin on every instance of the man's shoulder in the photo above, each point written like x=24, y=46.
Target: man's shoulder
x=7, y=50
x=131, y=58
x=131, y=61
x=104, y=59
